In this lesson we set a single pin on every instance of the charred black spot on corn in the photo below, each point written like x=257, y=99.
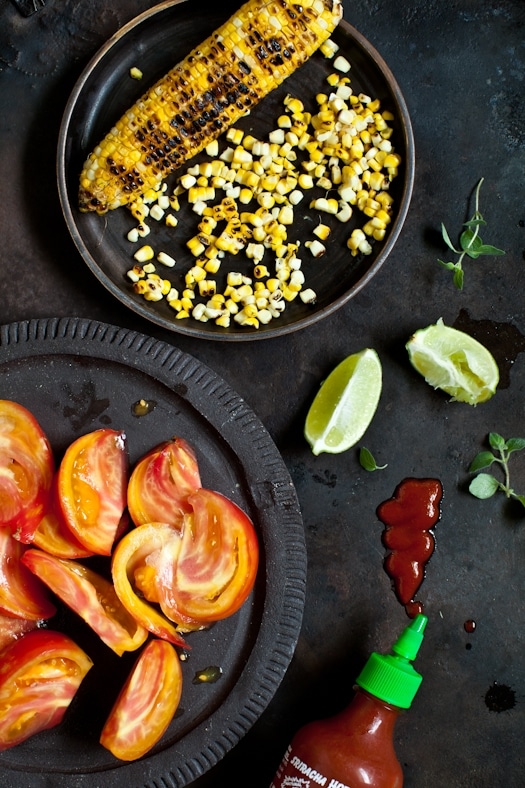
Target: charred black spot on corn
x=236, y=67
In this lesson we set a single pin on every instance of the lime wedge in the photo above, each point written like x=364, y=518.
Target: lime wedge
x=345, y=404
x=455, y=362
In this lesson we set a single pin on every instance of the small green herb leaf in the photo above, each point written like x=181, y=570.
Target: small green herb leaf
x=367, y=460
x=496, y=441
x=459, y=277
x=484, y=486
x=488, y=249
x=447, y=240
x=515, y=444
x=482, y=460
x=520, y=498
x=476, y=221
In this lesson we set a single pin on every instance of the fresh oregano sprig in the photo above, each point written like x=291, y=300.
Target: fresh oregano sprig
x=470, y=243
x=485, y=485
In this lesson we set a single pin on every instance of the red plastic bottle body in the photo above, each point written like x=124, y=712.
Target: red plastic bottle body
x=354, y=749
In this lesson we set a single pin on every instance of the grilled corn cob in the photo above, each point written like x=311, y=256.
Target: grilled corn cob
x=239, y=64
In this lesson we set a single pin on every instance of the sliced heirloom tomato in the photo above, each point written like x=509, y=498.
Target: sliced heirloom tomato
x=146, y=704
x=21, y=594
x=26, y=470
x=161, y=482
x=133, y=569
x=39, y=676
x=92, y=488
x=91, y=596
x=216, y=568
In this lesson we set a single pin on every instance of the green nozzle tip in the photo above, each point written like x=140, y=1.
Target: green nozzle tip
x=409, y=642
x=391, y=677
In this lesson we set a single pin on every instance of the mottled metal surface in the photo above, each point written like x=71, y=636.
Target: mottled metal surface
x=461, y=67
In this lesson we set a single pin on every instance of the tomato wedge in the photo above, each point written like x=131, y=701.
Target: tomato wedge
x=131, y=562
x=21, y=593
x=217, y=565
x=26, y=470
x=161, y=483
x=91, y=596
x=92, y=487
x=39, y=676
x=146, y=704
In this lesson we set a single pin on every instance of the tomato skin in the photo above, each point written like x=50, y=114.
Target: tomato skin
x=50, y=667
x=26, y=470
x=217, y=565
x=21, y=594
x=91, y=596
x=12, y=628
x=161, y=482
x=92, y=487
x=146, y=704
x=130, y=557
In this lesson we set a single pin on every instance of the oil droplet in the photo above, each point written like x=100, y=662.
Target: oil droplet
x=500, y=697
x=208, y=676
x=502, y=339
x=469, y=626
x=143, y=407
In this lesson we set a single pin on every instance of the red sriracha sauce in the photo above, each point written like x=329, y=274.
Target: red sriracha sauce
x=409, y=517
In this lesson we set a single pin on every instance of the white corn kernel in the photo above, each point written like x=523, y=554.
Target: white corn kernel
x=165, y=259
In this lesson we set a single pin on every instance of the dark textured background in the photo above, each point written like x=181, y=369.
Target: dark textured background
x=461, y=67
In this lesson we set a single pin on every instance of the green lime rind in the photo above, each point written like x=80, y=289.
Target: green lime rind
x=454, y=362
x=345, y=404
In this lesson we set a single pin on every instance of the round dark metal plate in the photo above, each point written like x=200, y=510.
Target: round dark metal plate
x=78, y=375
x=154, y=42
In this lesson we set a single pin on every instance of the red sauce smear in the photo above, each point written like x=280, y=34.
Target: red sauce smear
x=408, y=518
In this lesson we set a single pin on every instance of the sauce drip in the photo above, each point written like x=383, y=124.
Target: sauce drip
x=409, y=517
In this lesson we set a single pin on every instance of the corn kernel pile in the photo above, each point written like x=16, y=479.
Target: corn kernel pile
x=246, y=198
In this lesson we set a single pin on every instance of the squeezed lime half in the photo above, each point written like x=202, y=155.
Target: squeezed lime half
x=454, y=362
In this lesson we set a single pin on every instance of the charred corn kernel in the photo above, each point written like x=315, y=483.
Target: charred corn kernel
x=171, y=221
x=260, y=271
x=308, y=296
x=166, y=259
x=207, y=287
x=144, y=253
x=322, y=231
x=294, y=105
x=156, y=213
x=235, y=136
x=223, y=320
x=212, y=266
x=329, y=48
x=143, y=230
x=305, y=181
x=135, y=73
x=344, y=213
x=316, y=248
x=133, y=275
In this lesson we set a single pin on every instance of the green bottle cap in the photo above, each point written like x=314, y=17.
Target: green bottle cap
x=391, y=677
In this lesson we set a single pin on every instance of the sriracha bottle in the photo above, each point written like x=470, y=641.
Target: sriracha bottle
x=355, y=748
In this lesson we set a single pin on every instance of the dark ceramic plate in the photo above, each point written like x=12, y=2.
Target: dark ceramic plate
x=79, y=375
x=155, y=41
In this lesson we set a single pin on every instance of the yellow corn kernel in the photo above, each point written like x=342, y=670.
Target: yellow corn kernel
x=144, y=253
